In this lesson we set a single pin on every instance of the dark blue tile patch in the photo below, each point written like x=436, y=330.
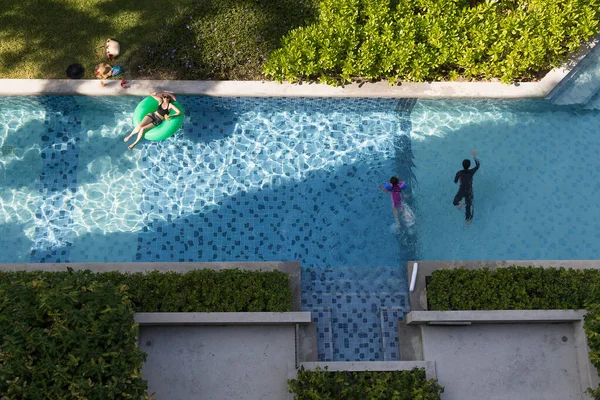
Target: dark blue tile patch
x=58, y=179
x=320, y=220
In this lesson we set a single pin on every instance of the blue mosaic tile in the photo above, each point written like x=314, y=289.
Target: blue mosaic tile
x=58, y=180
x=296, y=179
x=357, y=297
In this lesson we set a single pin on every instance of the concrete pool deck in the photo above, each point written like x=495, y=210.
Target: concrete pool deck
x=21, y=87
x=520, y=361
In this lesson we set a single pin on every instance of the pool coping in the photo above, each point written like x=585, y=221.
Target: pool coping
x=24, y=87
x=469, y=317
x=221, y=318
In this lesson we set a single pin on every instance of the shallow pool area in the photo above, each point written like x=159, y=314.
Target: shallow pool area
x=246, y=179
x=274, y=179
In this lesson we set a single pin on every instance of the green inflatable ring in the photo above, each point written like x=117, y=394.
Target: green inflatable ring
x=164, y=130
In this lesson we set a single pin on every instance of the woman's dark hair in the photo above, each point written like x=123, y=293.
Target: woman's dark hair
x=394, y=180
x=466, y=164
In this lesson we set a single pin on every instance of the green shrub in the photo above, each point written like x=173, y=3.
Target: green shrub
x=592, y=330
x=418, y=40
x=322, y=384
x=204, y=290
x=72, y=338
x=72, y=334
x=511, y=288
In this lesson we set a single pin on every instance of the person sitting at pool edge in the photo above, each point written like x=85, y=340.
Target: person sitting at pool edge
x=465, y=190
x=155, y=118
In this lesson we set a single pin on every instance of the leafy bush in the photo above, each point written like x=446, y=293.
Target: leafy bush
x=322, y=384
x=511, y=288
x=72, y=334
x=592, y=330
x=204, y=290
x=72, y=337
x=418, y=40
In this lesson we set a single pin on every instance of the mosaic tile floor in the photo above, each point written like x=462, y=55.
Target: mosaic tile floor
x=296, y=179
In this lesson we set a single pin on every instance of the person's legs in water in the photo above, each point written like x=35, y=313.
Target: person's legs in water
x=396, y=216
x=458, y=199
x=396, y=204
x=469, y=209
x=147, y=120
x=141, y=135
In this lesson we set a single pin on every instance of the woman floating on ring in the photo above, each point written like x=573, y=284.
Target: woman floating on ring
x=155, y=118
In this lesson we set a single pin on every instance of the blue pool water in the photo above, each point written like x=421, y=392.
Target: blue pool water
x=296, y=179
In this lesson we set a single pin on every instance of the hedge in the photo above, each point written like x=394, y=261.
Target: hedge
x=72, y=338
x=592, y=330
x=322, y=384
x=203, y=290
x=73, y=335
x=522, y=288
x=511, y=288
x=422, y=40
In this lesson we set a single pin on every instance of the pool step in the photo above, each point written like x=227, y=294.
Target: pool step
x=322, y=318
x=389, y=317
x=356, y=310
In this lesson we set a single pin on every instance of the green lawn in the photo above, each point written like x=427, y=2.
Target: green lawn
x=173, y=39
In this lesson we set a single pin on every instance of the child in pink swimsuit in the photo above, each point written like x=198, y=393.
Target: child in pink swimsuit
x=394, y=187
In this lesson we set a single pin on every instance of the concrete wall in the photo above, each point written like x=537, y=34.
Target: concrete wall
x=219, y=362
x=425, y=337
x=511, y=322
x=498, y=362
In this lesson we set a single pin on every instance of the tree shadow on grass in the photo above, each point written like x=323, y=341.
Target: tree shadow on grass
x=39, y=39
x=220, y=40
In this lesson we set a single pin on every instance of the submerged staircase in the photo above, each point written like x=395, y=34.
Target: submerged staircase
x=356, y=311
x=581, y=85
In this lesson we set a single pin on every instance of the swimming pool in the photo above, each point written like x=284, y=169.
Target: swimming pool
x=296, y=179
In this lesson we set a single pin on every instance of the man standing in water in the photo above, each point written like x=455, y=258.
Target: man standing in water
x=465, y=191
